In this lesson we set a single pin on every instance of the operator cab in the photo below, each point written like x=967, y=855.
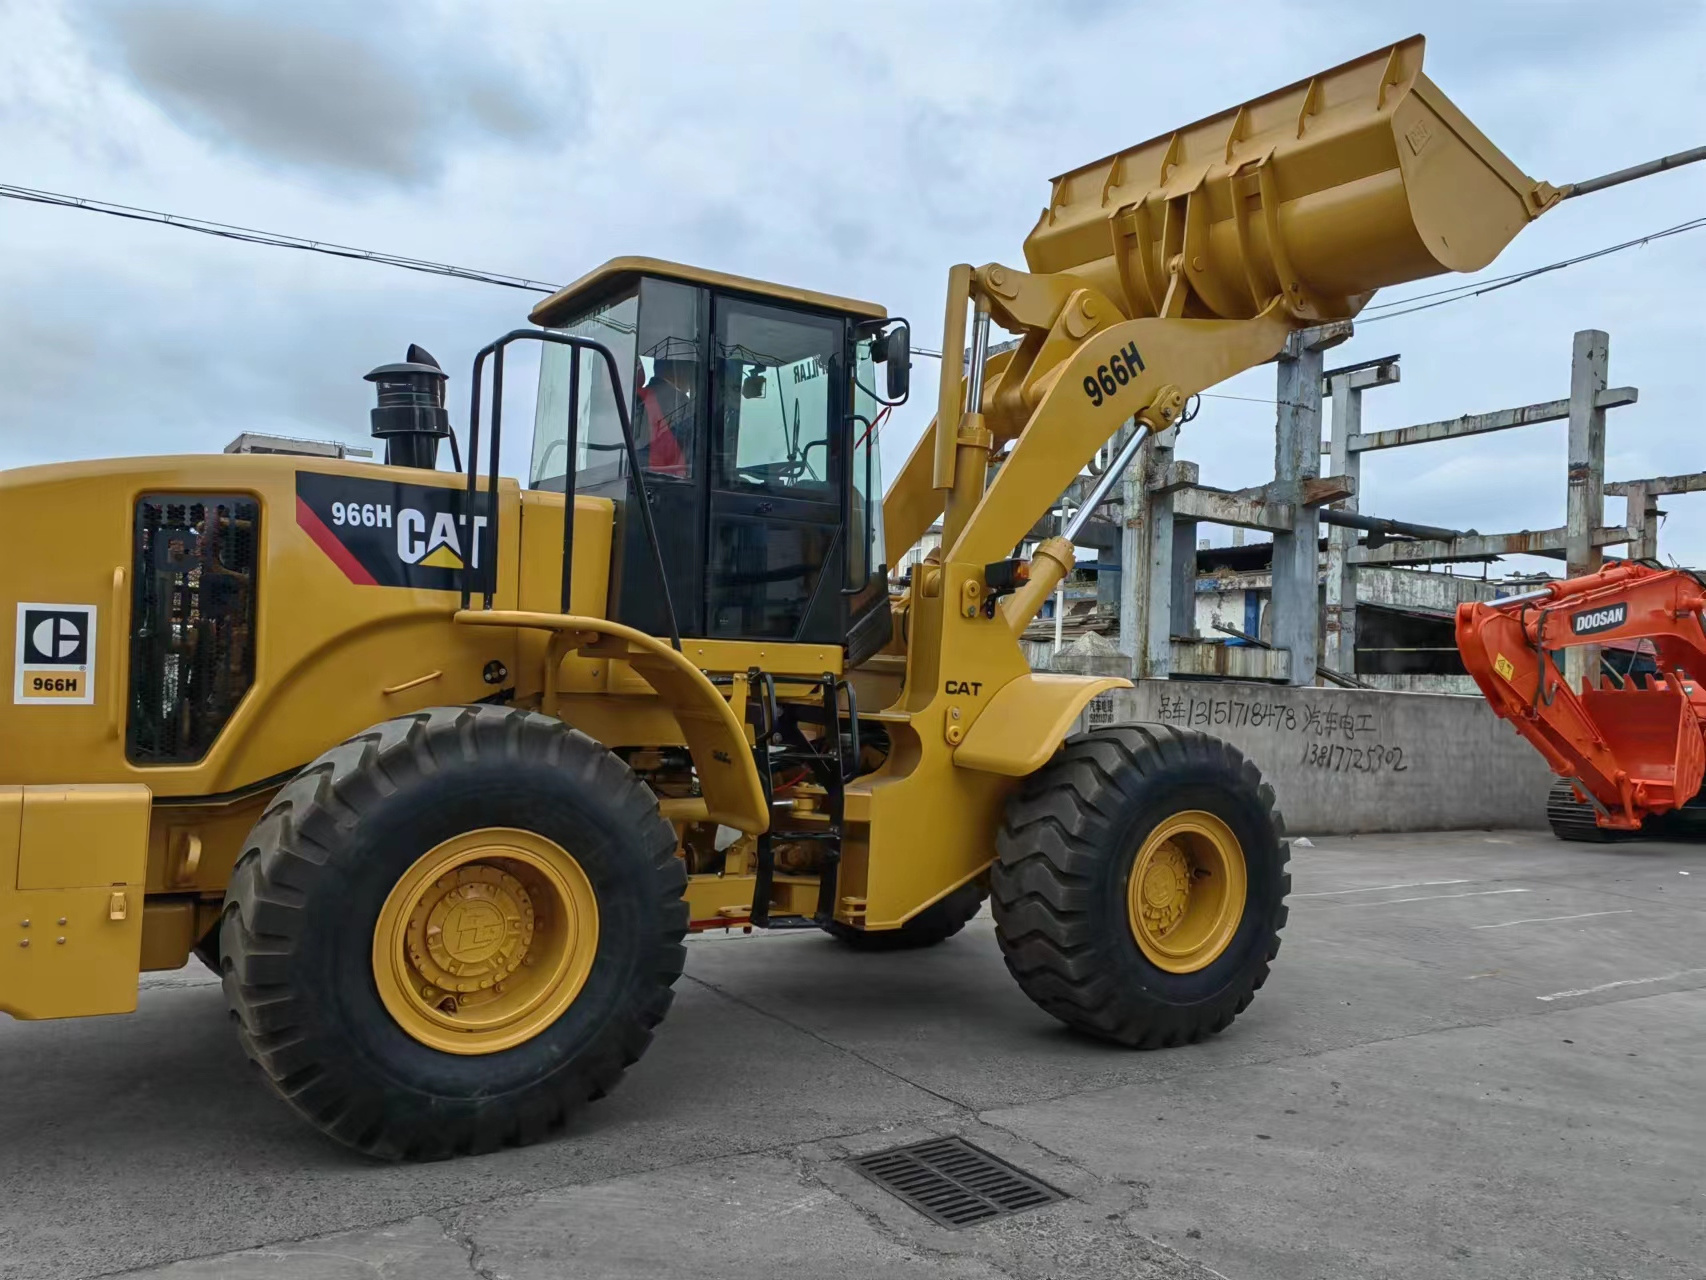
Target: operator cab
x=753, y=408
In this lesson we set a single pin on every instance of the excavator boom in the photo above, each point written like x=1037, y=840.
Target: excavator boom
x=1633, y=741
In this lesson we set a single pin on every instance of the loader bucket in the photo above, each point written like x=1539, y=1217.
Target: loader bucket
x=1322, y=192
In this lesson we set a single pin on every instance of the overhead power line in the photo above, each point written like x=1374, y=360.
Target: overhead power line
x=1459, y=293
x=250, y=235
x=277, y=240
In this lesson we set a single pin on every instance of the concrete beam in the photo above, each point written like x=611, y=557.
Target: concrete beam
x=1216, y=506
x=1321, y=490
x=1474, y=424
x=1175, y=476
x=1234, y=661
x=1656, y=486
x=1257, y=508
x=1376, y=373
x=1552, y=542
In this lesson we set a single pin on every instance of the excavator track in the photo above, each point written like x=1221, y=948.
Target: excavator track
x=1573, y=819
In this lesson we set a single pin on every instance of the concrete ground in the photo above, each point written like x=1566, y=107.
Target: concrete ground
x=1480, y=1055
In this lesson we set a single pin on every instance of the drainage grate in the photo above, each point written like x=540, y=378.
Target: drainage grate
x=953, y=1183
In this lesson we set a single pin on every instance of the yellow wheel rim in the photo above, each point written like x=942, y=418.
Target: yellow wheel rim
x=485, y=941
x=1186, y=892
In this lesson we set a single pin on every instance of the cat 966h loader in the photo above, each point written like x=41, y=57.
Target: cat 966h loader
x=437, y=769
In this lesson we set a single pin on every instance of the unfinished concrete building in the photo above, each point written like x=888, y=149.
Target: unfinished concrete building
x=1330, y=594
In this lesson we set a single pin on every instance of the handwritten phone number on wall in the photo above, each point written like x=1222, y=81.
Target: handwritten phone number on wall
x=1335, y=757
x=1235, y=713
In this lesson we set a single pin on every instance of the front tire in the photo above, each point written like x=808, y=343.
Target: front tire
x=1139, y=891
x=448, y=932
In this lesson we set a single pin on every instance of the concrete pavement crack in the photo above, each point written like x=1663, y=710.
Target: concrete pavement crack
x=983, y=1116
x=964, y=1109
x=463, y=1238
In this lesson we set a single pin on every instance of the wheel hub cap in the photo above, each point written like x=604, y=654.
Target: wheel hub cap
x=1186, y=893
x=475, y=932
x=1166, y=888
x=485, y=941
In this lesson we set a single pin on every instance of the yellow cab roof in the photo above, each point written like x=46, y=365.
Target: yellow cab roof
x=617, y=274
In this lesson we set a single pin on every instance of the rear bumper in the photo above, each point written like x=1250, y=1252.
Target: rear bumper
x=73, y=860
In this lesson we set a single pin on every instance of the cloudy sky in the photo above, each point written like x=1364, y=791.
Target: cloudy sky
x=858, y=149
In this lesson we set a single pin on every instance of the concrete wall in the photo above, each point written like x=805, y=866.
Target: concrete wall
x=1350, y=760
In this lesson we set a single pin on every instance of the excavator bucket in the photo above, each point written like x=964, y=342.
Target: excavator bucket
x=1322, y=192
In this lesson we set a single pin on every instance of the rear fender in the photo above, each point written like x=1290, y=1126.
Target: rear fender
x=714, y=734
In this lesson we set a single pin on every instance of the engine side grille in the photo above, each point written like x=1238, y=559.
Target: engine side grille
x=192, y=621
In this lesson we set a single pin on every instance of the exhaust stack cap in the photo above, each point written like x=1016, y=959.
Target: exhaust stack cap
x=410, y=417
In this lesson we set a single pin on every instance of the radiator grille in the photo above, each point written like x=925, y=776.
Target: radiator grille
x=953, y=1183
x=192, y=621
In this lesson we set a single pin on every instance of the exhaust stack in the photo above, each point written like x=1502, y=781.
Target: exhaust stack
x=410, y=417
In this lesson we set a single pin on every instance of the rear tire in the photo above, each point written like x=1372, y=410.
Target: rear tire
x=938, y=922
x=302, y=936
x=1073, y=834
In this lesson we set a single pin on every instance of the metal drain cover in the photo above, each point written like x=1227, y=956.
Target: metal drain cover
x=953, y=1183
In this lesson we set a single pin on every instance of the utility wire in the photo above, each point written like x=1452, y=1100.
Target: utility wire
x=1459, y=293
x=248, y=235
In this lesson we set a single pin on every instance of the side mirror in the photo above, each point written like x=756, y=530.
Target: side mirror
x=897, y=355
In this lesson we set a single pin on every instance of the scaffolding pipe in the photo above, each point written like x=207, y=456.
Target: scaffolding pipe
x=1397, y=528
x=1673, y=161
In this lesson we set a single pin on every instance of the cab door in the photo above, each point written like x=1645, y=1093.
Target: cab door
x=775, y=531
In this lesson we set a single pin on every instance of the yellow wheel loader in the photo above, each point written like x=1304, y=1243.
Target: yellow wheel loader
x=438, y=768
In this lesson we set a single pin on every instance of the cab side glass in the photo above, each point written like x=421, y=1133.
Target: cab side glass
x=668, y=416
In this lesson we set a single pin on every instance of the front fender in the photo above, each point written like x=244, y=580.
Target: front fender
x=1027, y=720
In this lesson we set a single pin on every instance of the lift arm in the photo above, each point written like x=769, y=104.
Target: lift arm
x=1162, y=269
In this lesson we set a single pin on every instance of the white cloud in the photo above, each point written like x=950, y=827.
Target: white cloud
x=859, y=150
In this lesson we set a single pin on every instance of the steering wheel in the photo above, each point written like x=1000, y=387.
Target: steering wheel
x=766, y=472
x=806, y=453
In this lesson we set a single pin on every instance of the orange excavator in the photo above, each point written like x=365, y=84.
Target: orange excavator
x=1630, y=746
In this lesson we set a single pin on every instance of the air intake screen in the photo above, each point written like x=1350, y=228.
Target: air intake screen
x=192, y=621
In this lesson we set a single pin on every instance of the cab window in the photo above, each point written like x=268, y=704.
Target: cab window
x=776, y=371
x=668, y=414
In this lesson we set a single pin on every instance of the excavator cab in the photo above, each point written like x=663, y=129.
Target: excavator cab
x=754, y=410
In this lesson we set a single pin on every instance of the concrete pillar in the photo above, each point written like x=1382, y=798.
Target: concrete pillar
x=1339, y=620
x=1134, y=555
x=1296, y=603
x=1154, y=588
x=1585, y=508
x=1339, y=615
x=1642, y=516
x=1184, y=578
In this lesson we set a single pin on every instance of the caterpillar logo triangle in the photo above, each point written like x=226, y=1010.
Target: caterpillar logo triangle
x=443, y=558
